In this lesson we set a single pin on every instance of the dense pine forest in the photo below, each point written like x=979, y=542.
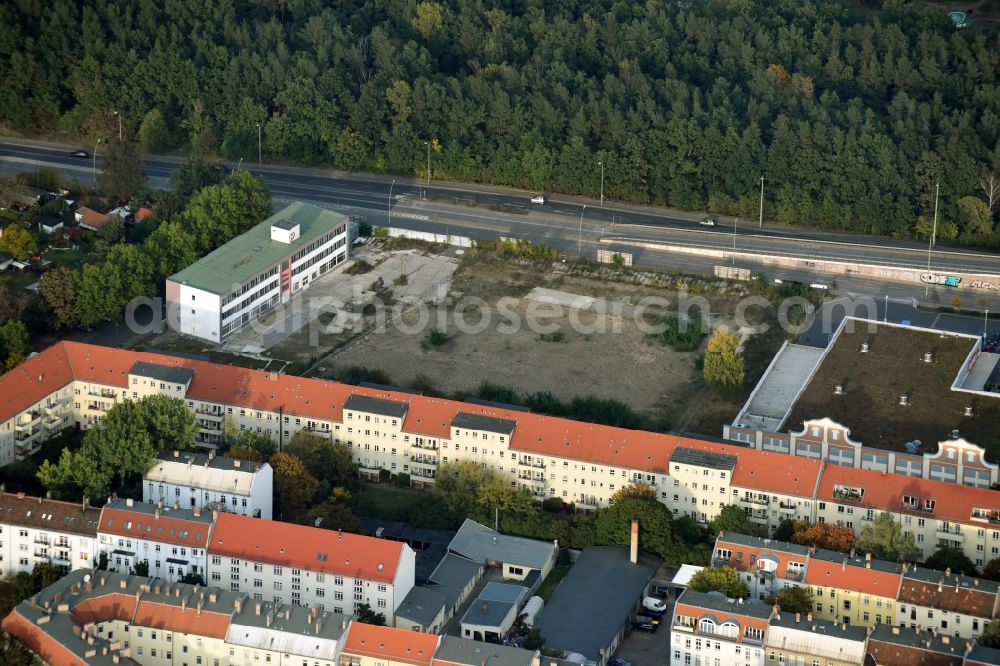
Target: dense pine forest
x=851, y=111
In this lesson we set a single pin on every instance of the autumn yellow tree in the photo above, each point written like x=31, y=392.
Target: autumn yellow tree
x=724, y=364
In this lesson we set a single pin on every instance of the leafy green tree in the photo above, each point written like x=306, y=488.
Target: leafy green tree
x=613, y=525
x=15, y=653
x=18, y=242
x=294, y=486
x=365, y=614
x=194, y=174
x=219, y=212
x=732, y=519
x=719, y=579
x=193, y=579
x=991, y=635
x=153, y=132
x=334, y=514
x=951, y=558
x=249, y=444
x=57, y=291
x=141, y=569
x=122, y=446
x=330, y=463
x=884, y=539
x=992, y=569
x=795, y=599
x=121, y=170
x=171, y=247
x=458, y=484
x=724, y=365
x=15, y=343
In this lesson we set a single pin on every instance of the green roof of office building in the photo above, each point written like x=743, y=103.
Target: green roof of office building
x=247, y=255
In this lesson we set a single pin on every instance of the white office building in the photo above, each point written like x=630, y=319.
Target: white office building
x=256, y=271
x=211, y=483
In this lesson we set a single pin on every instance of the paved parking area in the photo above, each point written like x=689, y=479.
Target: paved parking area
x=644, y=649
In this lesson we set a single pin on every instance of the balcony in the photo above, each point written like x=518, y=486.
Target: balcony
x=53, y=423
x=42, y=539
x=55, y=408
x=719, y=560
x=916, y=508
x=28, y=420
x=28, y=448
x=212, y=414
x=537, y=464
x=588, y=503
x=848, y=494
x=794, y=574
x=42, y=553
x=749, y=640
x=760, y=501
x=210, y=426
x=951, y=536
x=429, y=461
x=786, y=507
x=97, y=406
x=425, y=445
x=423, y=474
x=102, y=393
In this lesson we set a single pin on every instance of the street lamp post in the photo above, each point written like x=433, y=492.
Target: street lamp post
x=579, y=240
x=239, y=165
x=258, y=146
x=735, y=220
x=930, y=243
x=986, y=321
x=95, y=162
x=428, y=144
x=390, y=200
x=761, y=224
x=119, y=126
x=601, y=164
x=885, y=313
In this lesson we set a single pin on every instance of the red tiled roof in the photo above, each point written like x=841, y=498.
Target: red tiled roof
x=305, y=547
x=743, y=563
x=953, y=597
x=185, y=620
x=93, y=218
x=391, y=644
x=721, y=616
x=39, y=641
x=33, y=380
x=850, y=577
x=164, y=528
x=143, y=213
x=895, y=654
x=113, y=606
x=885, y=492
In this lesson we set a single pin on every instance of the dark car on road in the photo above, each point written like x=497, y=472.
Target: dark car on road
x=79, y=153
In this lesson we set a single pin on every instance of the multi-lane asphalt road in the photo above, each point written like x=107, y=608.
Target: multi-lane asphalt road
x=569, y=223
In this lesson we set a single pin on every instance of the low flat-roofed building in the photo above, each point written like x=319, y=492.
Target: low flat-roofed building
x=40, y=530
x=517, y=556
x=946, y=602
x=455, y=651
x=592, y=608
x=707, y=626
x=256, y=271
x=423, y=610
x=492, y=613
x=794, y=638
x=455, y=578
x=980, y=655
x=892, y=646
x=210, y=482
x=171, y=542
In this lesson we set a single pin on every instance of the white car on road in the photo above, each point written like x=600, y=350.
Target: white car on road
x=707, y=222
x=538, y=200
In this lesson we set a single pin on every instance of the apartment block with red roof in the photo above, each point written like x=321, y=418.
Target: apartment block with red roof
x=708, y=627
x=946, y=602
x=893, y=646
x=766, y=565
x=98, y=618
x=370, y=645
x=935, y=513
x=40, y=530
x=170, y=542
x=853, y=589
x=75, y=384
x=308, y=566
x=211, y=483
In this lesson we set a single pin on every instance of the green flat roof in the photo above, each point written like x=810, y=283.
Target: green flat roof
x=248, y=254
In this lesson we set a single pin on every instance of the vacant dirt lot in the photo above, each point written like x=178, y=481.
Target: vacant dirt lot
x=578, y=353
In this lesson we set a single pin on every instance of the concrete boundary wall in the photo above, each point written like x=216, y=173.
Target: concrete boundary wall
x=449, y=239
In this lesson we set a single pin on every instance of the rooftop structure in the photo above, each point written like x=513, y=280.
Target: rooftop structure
x=43, y=513
x=454, y=651
x=299, y=546
x=687, y=456
x=391, y=644
x=894, y=646
x=211, y=482
x=141, y=520
x=591, y=606
x=802, y=634
x=879, y=367
x=484, y=545
x=250, y=253
x=769, y=404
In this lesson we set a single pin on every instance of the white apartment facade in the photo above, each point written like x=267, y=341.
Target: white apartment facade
x=171, y=542
x=714, y=631
x=946, y=603
x=256, y=271
x=211, y=483
x=306, y=566
x=38, y=530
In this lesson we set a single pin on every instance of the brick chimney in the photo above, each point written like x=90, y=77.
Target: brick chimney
x=633, y=555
